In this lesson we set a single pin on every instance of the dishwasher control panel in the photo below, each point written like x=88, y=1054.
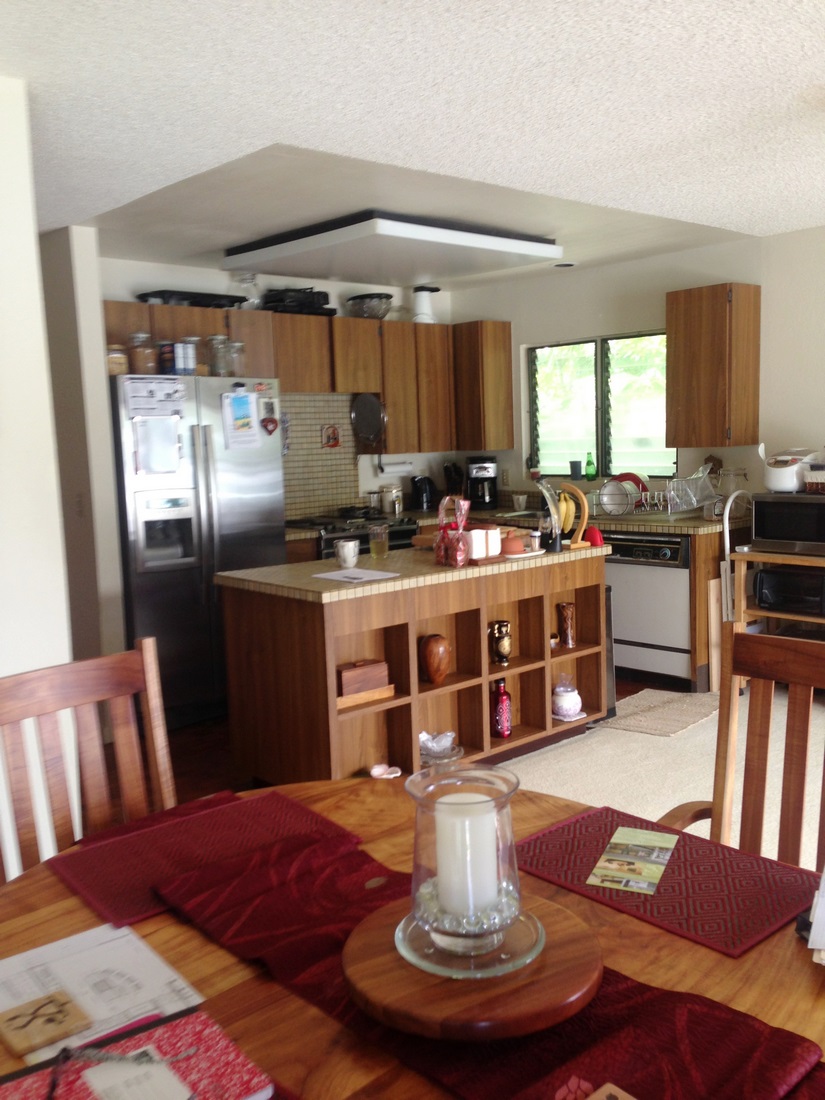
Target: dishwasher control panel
x=648, y=549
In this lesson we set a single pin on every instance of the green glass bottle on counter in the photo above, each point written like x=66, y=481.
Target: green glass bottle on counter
x=590, y=467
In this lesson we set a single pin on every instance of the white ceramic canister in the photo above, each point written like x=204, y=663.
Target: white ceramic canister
x=567, y=703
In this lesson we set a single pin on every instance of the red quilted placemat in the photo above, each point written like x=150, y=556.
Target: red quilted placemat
x=718, y=896
x=115, y=876
x=294, y=907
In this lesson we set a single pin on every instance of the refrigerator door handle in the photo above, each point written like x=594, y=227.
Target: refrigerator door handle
x=203, y=490
x=212, y=501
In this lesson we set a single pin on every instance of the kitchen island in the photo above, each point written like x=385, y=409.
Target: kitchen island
x=289, y=629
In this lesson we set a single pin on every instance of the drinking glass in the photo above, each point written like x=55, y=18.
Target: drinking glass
x=379, y=540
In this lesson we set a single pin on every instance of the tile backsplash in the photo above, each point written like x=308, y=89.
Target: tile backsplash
x=318, y=479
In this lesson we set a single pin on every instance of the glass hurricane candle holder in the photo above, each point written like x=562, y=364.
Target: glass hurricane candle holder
x=466, y=906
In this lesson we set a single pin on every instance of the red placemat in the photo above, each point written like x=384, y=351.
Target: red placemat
x=294, y=907
x=718, y=896
x=115, y=876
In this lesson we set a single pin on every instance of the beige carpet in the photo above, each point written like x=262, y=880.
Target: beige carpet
x=662, y=713
x=648, y=776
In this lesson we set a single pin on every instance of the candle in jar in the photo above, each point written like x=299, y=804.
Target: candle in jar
x=466, y=852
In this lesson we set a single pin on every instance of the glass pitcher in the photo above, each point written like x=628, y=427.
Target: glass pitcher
x=731, y=480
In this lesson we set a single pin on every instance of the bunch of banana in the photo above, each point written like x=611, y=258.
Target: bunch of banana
x=567, y=512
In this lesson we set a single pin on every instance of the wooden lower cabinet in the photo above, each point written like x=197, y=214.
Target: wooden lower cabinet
x=288, y=725
x=301, y=550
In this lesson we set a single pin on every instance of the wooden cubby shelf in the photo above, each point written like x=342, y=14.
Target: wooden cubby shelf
x=284, y=718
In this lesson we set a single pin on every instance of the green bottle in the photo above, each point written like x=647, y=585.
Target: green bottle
x=590, y=467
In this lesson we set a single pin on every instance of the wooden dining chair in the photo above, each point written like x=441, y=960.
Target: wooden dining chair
x=53, y=722
x=765, y=660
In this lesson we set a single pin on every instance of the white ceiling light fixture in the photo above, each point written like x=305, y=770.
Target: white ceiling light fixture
x=374, y=246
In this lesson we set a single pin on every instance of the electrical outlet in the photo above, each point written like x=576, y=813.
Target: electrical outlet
x=505, y=478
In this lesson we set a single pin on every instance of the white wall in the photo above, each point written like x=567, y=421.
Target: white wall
x=792, y=398
x=33, y=586
x=77, y=350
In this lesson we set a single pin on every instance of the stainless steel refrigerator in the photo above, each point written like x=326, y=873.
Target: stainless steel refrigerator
x=200, y=488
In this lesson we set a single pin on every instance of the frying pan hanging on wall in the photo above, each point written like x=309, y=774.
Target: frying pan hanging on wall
x=369, y=421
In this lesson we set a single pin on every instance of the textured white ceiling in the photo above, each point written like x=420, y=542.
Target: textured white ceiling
x=526, y=115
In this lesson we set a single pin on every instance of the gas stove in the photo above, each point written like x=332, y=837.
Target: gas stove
x=354, y=522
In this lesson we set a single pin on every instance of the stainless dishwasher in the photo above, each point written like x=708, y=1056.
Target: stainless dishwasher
x=650, y=578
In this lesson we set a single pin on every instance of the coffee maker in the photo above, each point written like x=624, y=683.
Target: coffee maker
x=482, y=488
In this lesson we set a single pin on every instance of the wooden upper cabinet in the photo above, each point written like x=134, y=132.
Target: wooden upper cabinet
x=483, y=364
x=356, y=354
x=254, y=328
x=434, y=368
x=713, y=366
x=177, y=322
x=301, y=350
x=400, y=387
x=121, y=318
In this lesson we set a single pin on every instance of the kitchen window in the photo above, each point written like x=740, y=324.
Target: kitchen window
x=606, y=396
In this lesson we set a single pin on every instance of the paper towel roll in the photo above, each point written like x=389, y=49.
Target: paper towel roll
x=395, y=467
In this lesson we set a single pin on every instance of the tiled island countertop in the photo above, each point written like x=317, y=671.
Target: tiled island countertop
x=412, y=568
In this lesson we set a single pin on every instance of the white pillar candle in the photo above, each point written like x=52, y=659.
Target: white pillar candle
x=466, y=852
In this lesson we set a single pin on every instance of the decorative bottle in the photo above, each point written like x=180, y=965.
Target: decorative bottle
x=500, y=710
x=590, y=467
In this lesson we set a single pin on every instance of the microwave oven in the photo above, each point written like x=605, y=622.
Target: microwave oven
x=788, y=523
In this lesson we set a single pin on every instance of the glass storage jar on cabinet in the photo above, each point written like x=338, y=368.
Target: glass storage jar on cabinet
x=219, y=364
x=732, y=480
x=237, y=358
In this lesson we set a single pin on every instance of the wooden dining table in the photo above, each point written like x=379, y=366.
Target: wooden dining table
x=316, y=1057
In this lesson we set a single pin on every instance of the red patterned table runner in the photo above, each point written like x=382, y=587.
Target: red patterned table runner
x=294, y=906
x=718, y=896
x=115, y=876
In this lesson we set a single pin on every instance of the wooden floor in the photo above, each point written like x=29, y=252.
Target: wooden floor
x=202, y=761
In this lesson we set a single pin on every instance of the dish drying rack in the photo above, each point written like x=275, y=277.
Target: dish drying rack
x=686, y=494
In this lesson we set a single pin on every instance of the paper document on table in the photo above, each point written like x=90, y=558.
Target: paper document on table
x=110, y=972
x=633, y=860
x=356, y=576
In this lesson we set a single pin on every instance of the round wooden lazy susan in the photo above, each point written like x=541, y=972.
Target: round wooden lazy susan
x=558, y=983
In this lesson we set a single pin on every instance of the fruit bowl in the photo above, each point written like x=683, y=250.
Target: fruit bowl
x=376, y=306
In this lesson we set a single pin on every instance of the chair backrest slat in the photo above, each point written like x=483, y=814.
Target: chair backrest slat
x=797, y=737
x=131, y=775
x=94, y=779
x=757, y=748
x=765, y=660
x=57, y=789
x=81, y=689
x=22, y=808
